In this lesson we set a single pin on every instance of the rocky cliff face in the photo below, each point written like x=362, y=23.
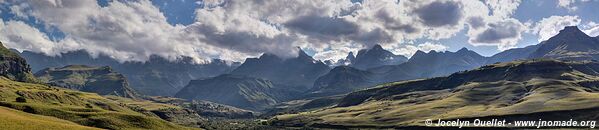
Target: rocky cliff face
x=13, y=66
x=101, y=80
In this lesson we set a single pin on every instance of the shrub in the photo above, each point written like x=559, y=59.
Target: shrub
x=21, y=99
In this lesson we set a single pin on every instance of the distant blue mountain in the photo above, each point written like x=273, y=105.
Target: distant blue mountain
x=299, y=72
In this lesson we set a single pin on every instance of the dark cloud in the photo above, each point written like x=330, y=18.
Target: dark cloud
x=393, y=24
x=498, y=32
x=438, y=14
x=322, y=27
x=329, y=28
x=247, y=42
x=373, y=37
x=476, y=22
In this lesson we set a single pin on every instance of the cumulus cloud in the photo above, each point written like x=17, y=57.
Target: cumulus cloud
x=12, y=36
x=550, y=26
x=322, y=27
x=127, y=31
x=503, y=8
x=505, y=34
x=493, y=25
x=439, y=13
x=568, y=4
x=237, y=29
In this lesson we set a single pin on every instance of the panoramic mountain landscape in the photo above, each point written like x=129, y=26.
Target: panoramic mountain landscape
x=346, y=64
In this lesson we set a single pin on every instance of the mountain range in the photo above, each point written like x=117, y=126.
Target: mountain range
x=375, y=89
x=308, y=77
x=369, y=58
x=345, y=79
x=298, y=73
x=556, y=79
x=569, y=44
x=157, y=76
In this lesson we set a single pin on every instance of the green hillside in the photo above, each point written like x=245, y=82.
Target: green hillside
x=79, y=107
x=17, y=120
x=514, y=90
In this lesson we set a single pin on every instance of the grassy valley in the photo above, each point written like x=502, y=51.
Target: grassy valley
x=512, y=90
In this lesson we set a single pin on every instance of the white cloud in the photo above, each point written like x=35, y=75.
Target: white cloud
x=492, y=25
x=127, y=31
x=237, y=29
x=591, y=29
x=550, y=26
x=503, y=8
x=427, y=46
x=12, y=36
x=336, y=51
x=409, y=50
x=568, y=4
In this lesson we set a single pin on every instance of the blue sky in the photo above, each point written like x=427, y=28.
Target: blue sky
x=235, y=30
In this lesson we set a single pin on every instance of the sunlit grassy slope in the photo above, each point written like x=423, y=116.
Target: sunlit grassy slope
x=516, y=90
x=11, y=119
x=83, y=108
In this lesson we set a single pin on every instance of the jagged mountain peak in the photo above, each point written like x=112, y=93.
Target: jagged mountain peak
x=302, y=53
x=299, y=71
x=571, y=30
x=419, y=52
x=350, y=56
x=377, y=47
x=462, y=50
x=569, y=43
x=569, y=33
x=376, y=57
x=267, y=55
